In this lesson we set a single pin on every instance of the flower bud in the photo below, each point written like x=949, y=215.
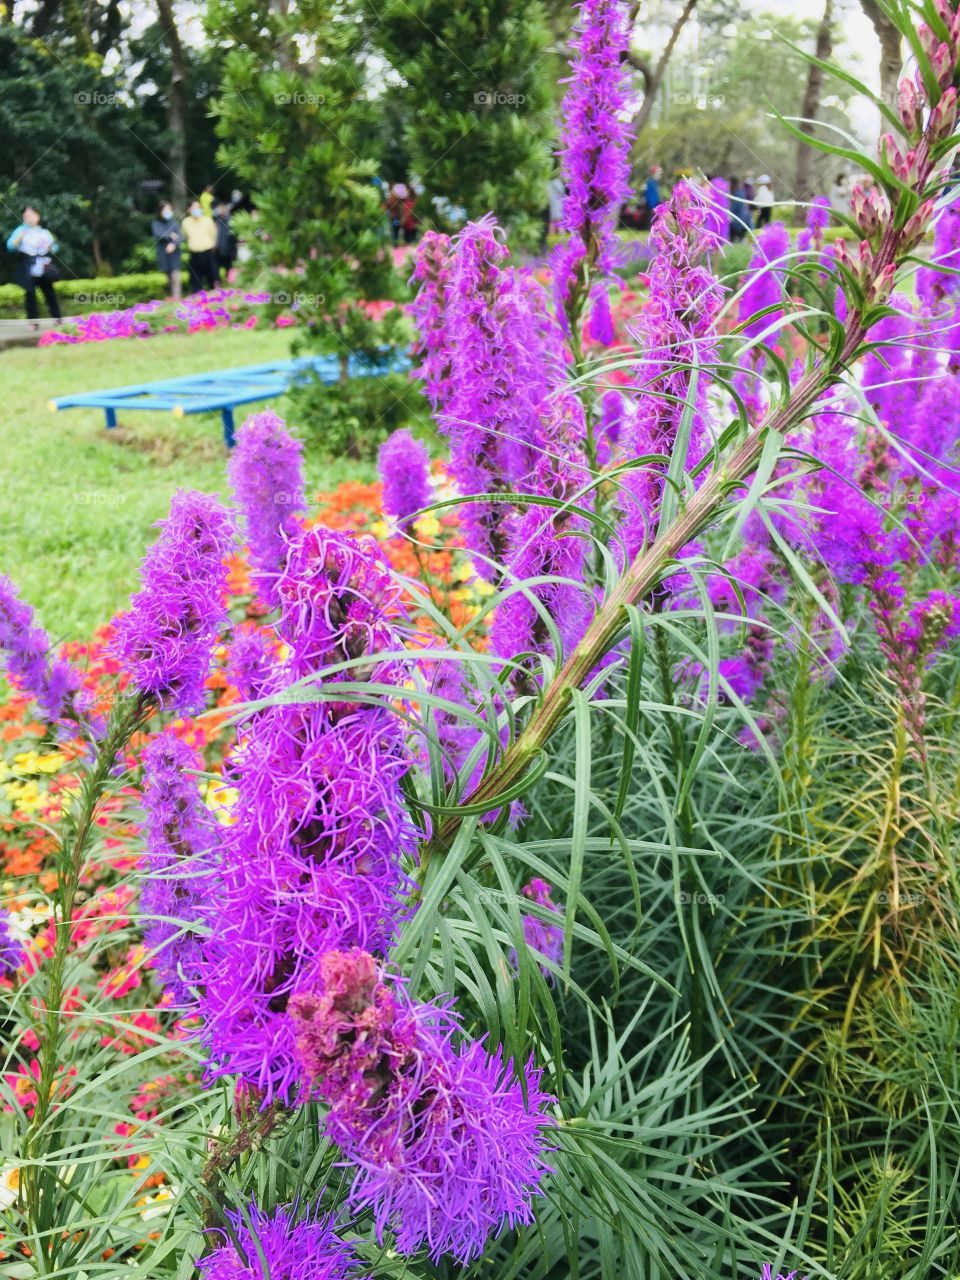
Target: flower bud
x=944, y=64
x=943, y=117
x=881, y=288
x=928, y=39
x=908, y=101
x=916, y=226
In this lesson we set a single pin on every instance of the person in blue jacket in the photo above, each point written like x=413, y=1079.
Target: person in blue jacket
x=35, y=247
x=651, y=190
x=741, y=219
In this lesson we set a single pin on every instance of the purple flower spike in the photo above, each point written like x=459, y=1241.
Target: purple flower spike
x=266, y=472
x=449, y=1152
x=405, y=472
x=336, y=595
x=182, y=837
x=539, y=935
x=767, y=1274
x=764, y=286
x=674, y=332
x=25, y=650
x=166, y=640
x=12, y=954
x=595, y=141
x=276, y=1247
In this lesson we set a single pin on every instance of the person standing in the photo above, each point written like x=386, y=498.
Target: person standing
x=395, y=198
x=207, y=200
x=226, y=240
x=200, y=233
x=35, y=245
x=408, y=217
x=764, y=200
x=740, y=219
x=169, y=238
x=651, y=190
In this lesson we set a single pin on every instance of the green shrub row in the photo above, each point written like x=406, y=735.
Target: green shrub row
x=108, y=293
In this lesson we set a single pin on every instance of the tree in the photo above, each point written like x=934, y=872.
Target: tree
x=803, y=188
x=298, y=125
x=68, y=148
x=714, y=111
x=178, y=105
x=891, y=60
x=652, y=72
x=477, y=97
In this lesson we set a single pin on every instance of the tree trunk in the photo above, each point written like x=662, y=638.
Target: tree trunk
x=891, y=57
x=803, y=184
x=652, y=76
x=177, y=110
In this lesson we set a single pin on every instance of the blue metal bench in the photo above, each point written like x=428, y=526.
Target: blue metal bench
x=223, y=390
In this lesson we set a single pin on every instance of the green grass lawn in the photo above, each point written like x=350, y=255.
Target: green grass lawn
x=77, y=501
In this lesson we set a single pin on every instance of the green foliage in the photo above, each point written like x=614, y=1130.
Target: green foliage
x=713, y=113
x=105, y=293
x=475, y=100
x=69, y=149
x=299, y=130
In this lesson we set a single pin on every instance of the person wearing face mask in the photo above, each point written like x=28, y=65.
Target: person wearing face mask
x=35, y=246
x=168, y=237
x=200, y=233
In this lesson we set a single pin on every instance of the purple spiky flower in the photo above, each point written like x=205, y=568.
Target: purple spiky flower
x=314, y=857
x=166, y=640
x=431, y=273
x=266, y=472
x=12, y=954
x=25, y=651
x=313, y=861
x=676, y=338
x=182, y=844
x=282, y=1246
x=449, y=1151
x=595, y=142
x=405, y=472
x=542, y=936
x=337, y=598
x=505, y=358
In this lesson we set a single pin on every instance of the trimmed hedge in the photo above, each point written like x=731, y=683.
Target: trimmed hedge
x=109, y=293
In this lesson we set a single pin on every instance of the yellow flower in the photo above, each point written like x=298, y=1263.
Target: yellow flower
x=222, y=800
x=24, y=795
x=51, y=762
x=380, y=530
x=9, y=1185
x=427, y=526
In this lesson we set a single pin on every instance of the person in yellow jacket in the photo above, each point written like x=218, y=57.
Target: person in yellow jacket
x=207, y=200
x=200, y=233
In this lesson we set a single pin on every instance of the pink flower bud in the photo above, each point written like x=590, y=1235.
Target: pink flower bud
x=944, y=64
x=928, y=39
x=908, y=102
x=882, y=287
x=943, y=117
x=915, y=227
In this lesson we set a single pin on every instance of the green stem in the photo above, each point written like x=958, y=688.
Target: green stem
x=128, y=715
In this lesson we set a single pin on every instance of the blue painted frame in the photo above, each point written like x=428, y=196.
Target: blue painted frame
x=224, y=389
